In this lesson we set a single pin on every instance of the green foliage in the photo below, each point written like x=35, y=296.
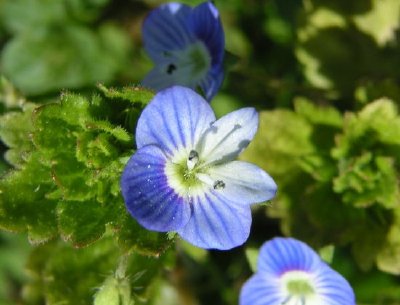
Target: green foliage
x=67, y=181
x=337, y=176
x=62, y=52
x=60, y=274
x=330, y=61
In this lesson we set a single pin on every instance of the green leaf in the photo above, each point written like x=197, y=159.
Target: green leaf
x=67, y=56
x=82, y=223
x=388, y=259
x=15, y=132
x=23, y=202
x=252, y=257
x=284, y=137
x=367, y=151
x=381, y=22
x=134, y=95
x=132, y=237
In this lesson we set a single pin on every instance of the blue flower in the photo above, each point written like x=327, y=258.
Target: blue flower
x=187, y=47
x=291, y=273
x=183, y=176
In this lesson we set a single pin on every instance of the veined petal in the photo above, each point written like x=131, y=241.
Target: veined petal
x=212, y=82
x=174, y=120
x=333, y=288
x=206, y=23
x=280, y=255
x=148, y=197
x=261, y=290
x=216, y=223
x=243, y=182
x=165, y=29
x=187, y=67
x=159, y=79
x=225, y=139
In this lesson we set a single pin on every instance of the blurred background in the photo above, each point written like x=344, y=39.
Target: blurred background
x=323, y=74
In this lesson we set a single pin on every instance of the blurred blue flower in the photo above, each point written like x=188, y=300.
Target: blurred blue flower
x=183, y=176
x=187, y=47
x=291, y=273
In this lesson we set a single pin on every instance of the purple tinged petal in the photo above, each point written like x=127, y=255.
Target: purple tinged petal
x=261, y=290
x=229, y=136
x=216, y=223
x=280, y=255
x=147, y=195
x=244, y=182
x=174, y=120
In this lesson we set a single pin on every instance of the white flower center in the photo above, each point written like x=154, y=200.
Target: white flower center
x=188, y=175
x=188, y=66
x=299, y=289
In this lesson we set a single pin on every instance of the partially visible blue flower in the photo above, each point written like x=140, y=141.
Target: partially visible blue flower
x=291, y=273
x=183, y=176
x=187, y=47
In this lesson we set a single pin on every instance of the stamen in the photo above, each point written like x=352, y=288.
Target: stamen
x=219, y=185
x=171, y=68
x=192, y=159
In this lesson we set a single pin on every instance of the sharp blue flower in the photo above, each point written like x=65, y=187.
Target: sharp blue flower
x=291, y=273
x=187, y=47
x=184, y=178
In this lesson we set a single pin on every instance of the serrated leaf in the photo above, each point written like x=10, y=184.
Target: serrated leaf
x=23, y=202
x=82, y=223
x=15, y=132
x=134, y=95
x=132, y=237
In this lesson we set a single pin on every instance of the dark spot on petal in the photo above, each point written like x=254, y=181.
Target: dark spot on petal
x=219, y=185
x=171, y=68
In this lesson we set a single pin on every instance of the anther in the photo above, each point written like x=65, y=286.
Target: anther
x=219, y=185
x=192, y=160
x=171, y=68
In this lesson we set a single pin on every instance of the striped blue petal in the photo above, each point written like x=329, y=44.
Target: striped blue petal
x=333, y=288
x=174, y=120
x=212, y=82
x=206, y=24
x=148, y=197
x=261, y=290
x=216, y=223
x=229, y=136
x=244, y=182
x=165, y=29
x=281, y=255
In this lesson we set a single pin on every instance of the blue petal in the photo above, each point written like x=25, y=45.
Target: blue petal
x=261, y=290
x=174, y=120
x=229, y=136
x=206, y=23
x=216, y=224
x=165, y=29
x=212, y=82
x=244, y=182
x=280, y=255
x=158, y=79
x=148, y=197
x=333, y=288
